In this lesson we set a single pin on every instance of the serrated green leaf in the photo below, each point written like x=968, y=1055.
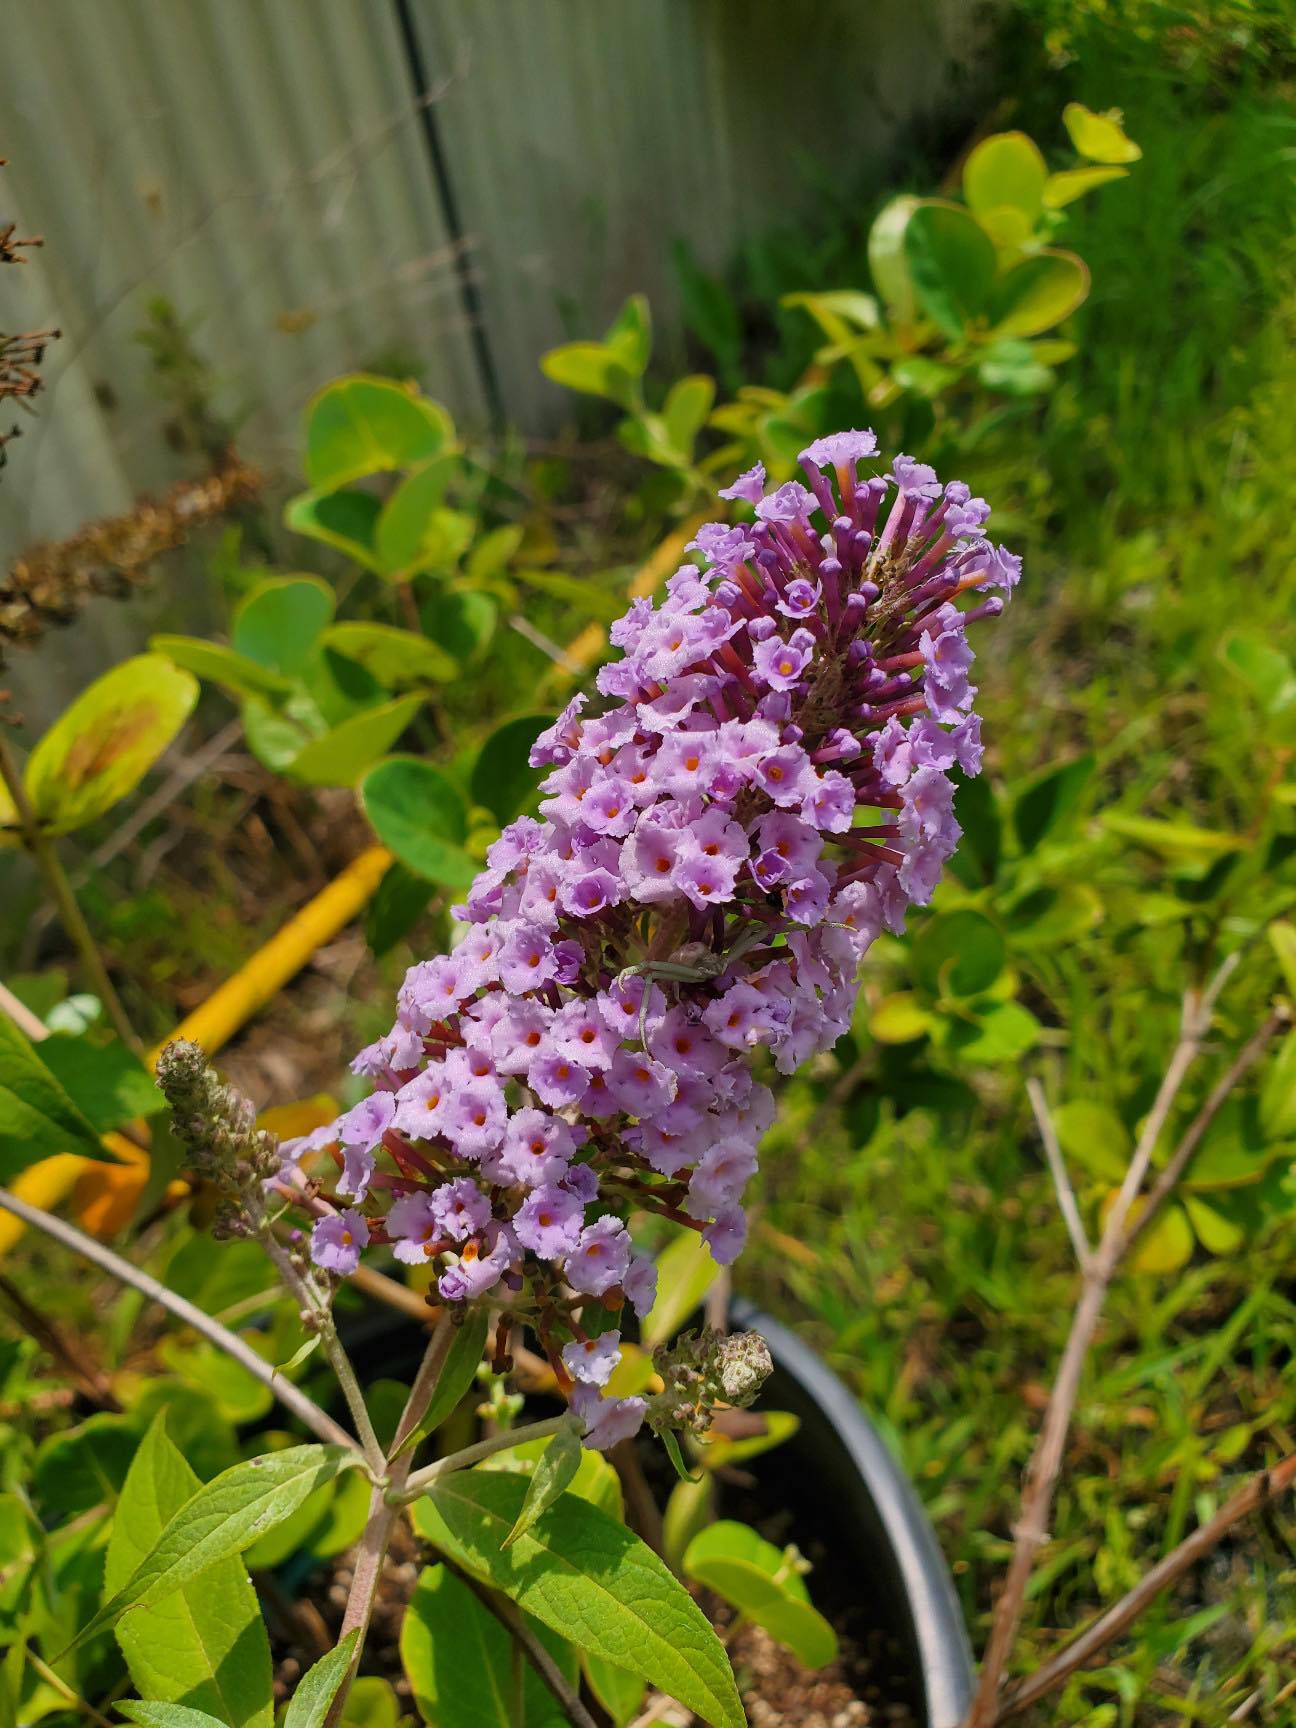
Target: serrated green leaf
x=552, y=1476
x=103, y=745
x=37, y=1116
x=685, y=1272
x=416, y=812
x=583, y=1574
x=343, y=754
x=150, y=1715
x=107, y=1082
x=277, y=623
x=318, y=1686
x=458, y=1660
x=224, y=1517
x=503, y=780
x=206, y=1644
x=458, y=1373
x=362, y=424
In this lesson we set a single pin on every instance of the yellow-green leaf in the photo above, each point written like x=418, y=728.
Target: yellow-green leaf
x=1072, y=183
x=1005, y=169
x=1037, y=293
x=1100, y=137
x=899, y=1019
x=685, y=1272
x=365, y=425
x=343, y=754
x=101, y=747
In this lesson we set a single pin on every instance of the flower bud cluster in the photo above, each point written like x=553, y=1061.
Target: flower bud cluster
x=700, y=1370
x=761, y=787
x=217, y=1126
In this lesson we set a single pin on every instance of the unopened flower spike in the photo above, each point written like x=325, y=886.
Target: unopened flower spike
x=759, y=787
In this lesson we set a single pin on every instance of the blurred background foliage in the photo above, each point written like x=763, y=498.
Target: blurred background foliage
x=381, y=654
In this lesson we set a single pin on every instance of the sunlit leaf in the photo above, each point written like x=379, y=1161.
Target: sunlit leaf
x=759, y=1580
x=1100, y=137
x=103, y=745
x=1038, y=293
x=1072, y=183
x=1005, y=169
x=37, y=1116
x=951, y=259
x=418, y=814
x=899, y=1019
x=343, y=754
x=395, y=658
x=219, y=665
x=361, y=425
x=887, y=265
x=685, y=1272
x=277, y=624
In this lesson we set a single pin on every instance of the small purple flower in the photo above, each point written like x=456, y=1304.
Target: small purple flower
x=483, y=1261
x=549, y=1221
x=556, y=1080
x=839, y=448
x=336, y=1241
x=800, y=598
x=460, y=1208
x=779, y=664
x=600, y=1257
x=791, y=503
x=726, y=1235
x=607, y=1420
x=413, y=1227
x=640, y=1284
x=749, y=487
x=591, y=1360
x=526, y=959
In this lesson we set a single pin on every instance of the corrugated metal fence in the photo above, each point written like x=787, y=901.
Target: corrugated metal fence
x=321, y=184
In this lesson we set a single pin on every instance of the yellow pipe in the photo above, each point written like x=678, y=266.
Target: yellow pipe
x=108, y=1191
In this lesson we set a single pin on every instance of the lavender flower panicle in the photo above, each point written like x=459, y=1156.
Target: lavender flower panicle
x=762, y=788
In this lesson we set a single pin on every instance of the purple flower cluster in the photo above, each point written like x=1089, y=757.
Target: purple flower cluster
x=763, y=786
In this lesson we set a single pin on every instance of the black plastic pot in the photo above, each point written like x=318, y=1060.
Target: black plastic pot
x=848, y=1501
x=839, y=1478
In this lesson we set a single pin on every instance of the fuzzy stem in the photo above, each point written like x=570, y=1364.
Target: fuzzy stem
x=305, y=1409
x=48, y=862
x=423, y=1479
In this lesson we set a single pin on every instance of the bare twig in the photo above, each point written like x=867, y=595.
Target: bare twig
x=1259, y=1489
x=1057, y=1168
x=22, y=1016
x=1031, y=1529
x=305, y=1409
x=423, y=1479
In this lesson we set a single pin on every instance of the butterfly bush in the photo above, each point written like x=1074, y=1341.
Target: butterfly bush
x=761, y=786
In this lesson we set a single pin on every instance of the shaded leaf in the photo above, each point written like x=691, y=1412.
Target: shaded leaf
x=1038, y=293
x=958, y=954
x=346, y=520
x=503, y=779
x=278, y=622
x=685, y=1272
x=951, y=259
x=1045, y=803
x=619, y=1692
x=457, y=1376
x=419, y=815
x=318, y=1686
x=552, y=1476
x=38, y=1118
x=219, y=665
x=84, y=1466
x=107, y=1082
x=395, y=658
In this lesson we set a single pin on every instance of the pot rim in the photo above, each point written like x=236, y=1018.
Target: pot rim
x=938, y=1633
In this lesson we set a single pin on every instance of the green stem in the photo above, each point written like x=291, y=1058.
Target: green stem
x=45, y=854
x=423, y=1479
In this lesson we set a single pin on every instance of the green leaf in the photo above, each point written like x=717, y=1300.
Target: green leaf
x=977, y=812
x=1044, y=804
x=620, y=1693
x=503, y=779
x=1217, y=1234
x=278, y=622
x=685, y=411
x=219, y=665
x=1282, y=939
x=688, y=1509
x=206, y=1645
x=84, y=1466
x=958, y=954
x=101, y=747
x=887, y=265
x=1064, y=188
x=237, y=1394
x=223, y=1518
x=1265, y=669
x=630, y=334
x=899, y=1019
x=593, y=369
x=1167, y=1243
x=371, y=1703
x=346, y=520
x=1014, y=368
x=1100, y=137
x=1006, y=168
x=1172, y=839
x=416, y=812
x=460, y=621
x=37, y=1116
x=166, y=1715
x=951, y=259
x=318, y=1686
x=107, y=1082
x=1000, y=1033
x=685, y=1272
x=400, y=901
x=275, y=736
x=1093, y=1136
x=362, y=425
x=405, y=533
x=552, y=1476
x=343, y=754
x=595, y=1479
x=1051, y=916
x=443, y=536
x=1278, y=1093
x=578, y=1570
x=1037, y=293
x=457, y=1376
x=760, y=1581
x=459, y=1663
x=395, y=658
x=494, y=552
